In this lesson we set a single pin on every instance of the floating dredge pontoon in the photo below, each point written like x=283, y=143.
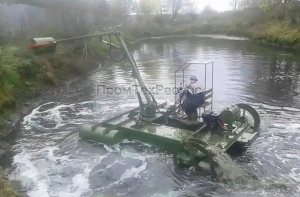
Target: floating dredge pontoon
x=166, y=125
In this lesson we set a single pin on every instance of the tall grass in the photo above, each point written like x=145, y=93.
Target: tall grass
x=10, y=77
x=252, y=25
x=282, y=33
x=6, y=189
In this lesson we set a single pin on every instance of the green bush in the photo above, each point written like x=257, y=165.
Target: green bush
x=6, y=189
x=277, y=32
x=98, y=49
x=9, y=63
x=28, y=71
x=10, y=77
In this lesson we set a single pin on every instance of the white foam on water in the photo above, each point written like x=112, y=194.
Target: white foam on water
x=283, y=113
x=40, y=192
x=32, y=174
x=56, y=114
x=295, y=174
x=133, y=104
x=134, y=172
x=291, y=109
x=282, y=153
x=53, y=158
x=35, y=169
x=225, y=37
x=53, y=114
x=169, y=194
x=182, y=192
x=291, y=127
x=265, y=106
x=84, y=113
x=128, y=105
x=80, y=184
x=38, y=173
x=29, y=165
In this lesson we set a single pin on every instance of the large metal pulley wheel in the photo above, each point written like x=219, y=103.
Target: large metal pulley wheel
x=191, y=153
x=249, y=112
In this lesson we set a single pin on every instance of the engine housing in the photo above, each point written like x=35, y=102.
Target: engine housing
x=211, y=119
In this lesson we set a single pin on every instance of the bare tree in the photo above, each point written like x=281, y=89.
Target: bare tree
x=165, y=6
x=101, y=12
x=2, y=23
x=190, y=7
x=75, y=18
x=176, y=7
x=181, y=6
x=146, y=7
x=235, y=4
x=149, y=6
x=123, y=8
x=248, y=4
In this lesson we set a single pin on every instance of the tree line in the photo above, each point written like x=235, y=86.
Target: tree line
x=276, y=9
x=279, y=9
x=78, y=17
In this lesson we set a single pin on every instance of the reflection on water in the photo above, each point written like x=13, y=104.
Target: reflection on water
x=51, y=161
x=279, y=80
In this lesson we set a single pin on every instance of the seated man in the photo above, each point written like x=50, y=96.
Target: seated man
x=193, y=98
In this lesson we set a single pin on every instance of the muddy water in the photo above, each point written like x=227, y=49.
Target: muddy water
x=51, y=161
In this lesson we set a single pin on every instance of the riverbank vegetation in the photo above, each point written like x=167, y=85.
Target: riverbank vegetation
x=274, y=22
x=6, y=189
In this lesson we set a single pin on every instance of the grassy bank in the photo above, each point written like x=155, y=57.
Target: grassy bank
x=25, y=76
x=255, y=26
x=280, y=33
x=6, y=190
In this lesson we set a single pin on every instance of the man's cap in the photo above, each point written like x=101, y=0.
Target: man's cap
x=193, y=77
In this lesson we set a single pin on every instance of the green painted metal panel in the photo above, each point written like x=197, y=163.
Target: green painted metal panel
x=99, y=135
x=247, y=138
x=229, y=115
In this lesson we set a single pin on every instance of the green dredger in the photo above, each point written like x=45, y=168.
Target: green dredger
x=166, y=125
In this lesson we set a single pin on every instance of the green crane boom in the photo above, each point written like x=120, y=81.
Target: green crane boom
x=48, y=45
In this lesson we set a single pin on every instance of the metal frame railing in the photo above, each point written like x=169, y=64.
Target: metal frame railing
x=183, y=69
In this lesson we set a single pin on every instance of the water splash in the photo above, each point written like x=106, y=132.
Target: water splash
x=225, y=168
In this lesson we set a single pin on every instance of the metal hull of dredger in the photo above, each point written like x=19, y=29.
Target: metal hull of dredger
x=165, y=133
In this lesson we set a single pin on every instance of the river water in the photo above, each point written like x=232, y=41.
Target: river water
x=51, y=161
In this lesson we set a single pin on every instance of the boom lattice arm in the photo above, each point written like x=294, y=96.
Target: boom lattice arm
x=48, y=45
